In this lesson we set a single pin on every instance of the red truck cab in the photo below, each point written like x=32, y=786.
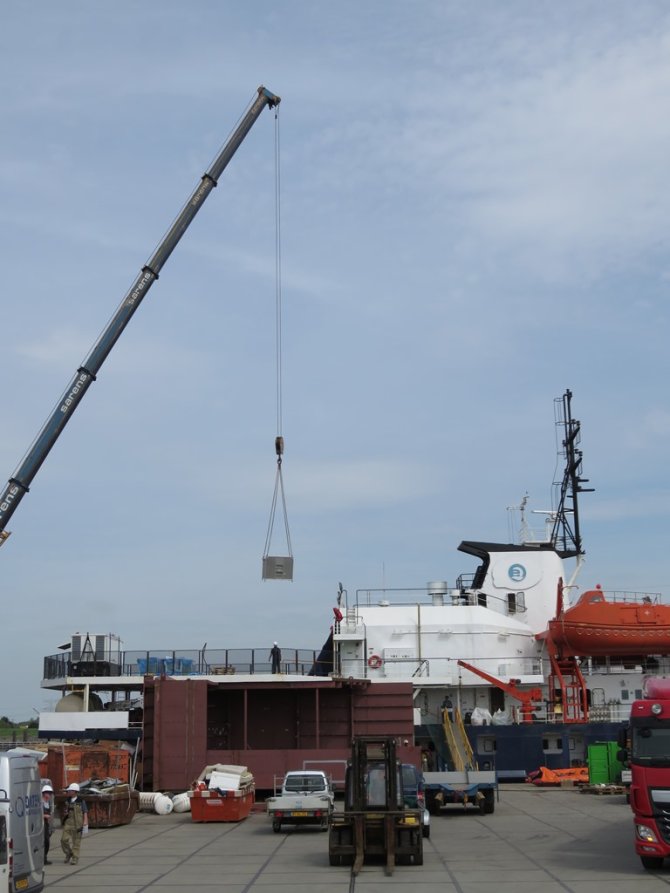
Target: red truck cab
x=648, y=752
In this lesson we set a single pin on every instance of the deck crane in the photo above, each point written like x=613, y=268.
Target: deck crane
x=20, y=481
x=528, y=697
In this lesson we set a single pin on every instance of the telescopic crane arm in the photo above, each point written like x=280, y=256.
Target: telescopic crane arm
x=20, y=481
x=528, y=697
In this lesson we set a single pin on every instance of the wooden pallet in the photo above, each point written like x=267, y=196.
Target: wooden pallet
x=603, y=789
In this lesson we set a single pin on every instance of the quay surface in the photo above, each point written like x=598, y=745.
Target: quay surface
x=539, y=840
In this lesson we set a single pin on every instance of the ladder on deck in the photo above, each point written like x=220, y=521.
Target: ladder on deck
x=567, y=677
x=458, y=743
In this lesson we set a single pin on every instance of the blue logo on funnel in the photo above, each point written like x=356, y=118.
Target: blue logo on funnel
x=517, y=573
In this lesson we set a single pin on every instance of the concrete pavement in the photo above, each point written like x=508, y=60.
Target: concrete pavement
x=539, y=840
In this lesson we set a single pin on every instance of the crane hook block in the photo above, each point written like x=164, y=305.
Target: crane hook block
x=279, y=446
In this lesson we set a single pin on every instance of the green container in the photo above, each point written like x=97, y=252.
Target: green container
x=604, y=767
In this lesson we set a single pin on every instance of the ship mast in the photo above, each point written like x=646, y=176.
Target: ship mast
x=565, y=534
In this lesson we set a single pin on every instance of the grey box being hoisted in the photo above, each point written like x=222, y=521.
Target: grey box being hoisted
x=278, y=567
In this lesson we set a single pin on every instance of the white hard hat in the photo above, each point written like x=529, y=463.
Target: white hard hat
x=47, y=789
x=275, y=643
x=72, y=787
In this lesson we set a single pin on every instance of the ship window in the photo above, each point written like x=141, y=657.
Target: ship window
x=624, y=694
x=516, y=602
x=552, y=744
x=486, y=744
x=638, y=694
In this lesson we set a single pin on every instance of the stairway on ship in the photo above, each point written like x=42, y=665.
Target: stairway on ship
x=452, y=745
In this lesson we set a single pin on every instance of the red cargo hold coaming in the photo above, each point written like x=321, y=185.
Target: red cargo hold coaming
x=272, y=727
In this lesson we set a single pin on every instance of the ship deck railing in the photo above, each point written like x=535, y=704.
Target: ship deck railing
x=442, y=670
x=625, y=595
x=650, y=665
x=466, y=594
x=460, y=597
x=188, y=662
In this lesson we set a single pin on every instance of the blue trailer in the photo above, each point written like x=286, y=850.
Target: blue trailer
x=469, y=787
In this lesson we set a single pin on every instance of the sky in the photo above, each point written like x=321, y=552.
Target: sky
x=474, y=218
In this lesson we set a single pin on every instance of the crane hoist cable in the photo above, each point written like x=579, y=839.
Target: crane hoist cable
x=278, y=492
x=273, y=567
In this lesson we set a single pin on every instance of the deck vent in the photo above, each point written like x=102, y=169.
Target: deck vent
x=437, y=589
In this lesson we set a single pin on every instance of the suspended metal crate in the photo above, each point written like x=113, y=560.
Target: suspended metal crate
x=277, y=567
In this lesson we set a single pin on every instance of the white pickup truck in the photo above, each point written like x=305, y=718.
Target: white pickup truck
x=306, y=798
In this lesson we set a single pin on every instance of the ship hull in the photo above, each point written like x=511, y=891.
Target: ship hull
x=523, y=748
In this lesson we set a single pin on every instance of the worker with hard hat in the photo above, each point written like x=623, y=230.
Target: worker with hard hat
x=48, y=810
x=75, y=823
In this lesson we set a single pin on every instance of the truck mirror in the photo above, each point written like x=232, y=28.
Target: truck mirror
x=622, y=755
x=622, y=737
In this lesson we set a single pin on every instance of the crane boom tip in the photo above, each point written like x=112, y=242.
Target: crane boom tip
x=271, y=97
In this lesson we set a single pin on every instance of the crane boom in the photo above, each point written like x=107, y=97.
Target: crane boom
x=20, y=481
x=527, y=696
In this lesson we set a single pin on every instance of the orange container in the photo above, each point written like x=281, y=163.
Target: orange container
x=221, y=806
x=67, y=763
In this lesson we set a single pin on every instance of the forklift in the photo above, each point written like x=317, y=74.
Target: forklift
x=375, y=820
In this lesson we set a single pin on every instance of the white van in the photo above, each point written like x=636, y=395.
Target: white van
x=21, y=824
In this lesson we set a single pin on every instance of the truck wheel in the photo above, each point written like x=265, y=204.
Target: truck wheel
x=425, y=830
x=276, y=826
x=651, y=862
x=417, y=858
x=487, y=804
x=334, y=858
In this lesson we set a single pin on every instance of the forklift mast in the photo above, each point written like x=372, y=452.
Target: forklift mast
x=374, y=779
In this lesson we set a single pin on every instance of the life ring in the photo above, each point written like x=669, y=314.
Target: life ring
x=374, y=661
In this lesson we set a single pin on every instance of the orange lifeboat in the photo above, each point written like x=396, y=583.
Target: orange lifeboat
x=596, y=626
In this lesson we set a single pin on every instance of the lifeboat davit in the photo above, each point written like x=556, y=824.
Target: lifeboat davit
x=596, y=626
